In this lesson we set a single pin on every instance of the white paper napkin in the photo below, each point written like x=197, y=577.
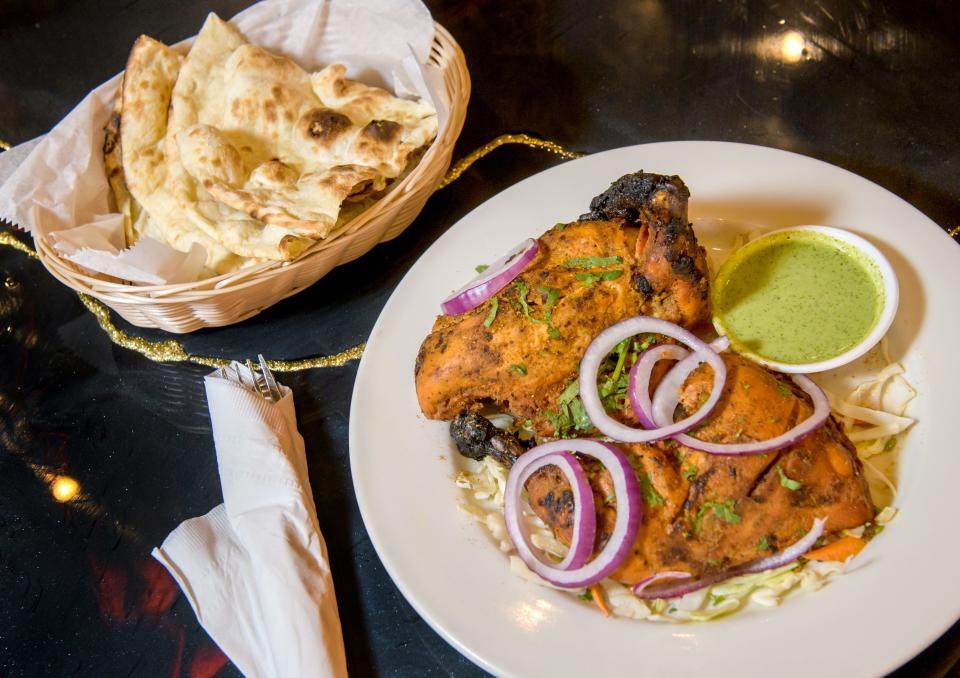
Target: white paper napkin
x=255, y=569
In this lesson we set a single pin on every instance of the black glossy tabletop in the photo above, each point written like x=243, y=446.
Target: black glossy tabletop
x=870, y=86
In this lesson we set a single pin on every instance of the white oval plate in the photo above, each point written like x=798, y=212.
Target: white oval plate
x=903, y=591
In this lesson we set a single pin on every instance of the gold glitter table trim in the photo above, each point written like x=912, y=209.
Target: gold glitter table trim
x=524, y=139
x=171, y=350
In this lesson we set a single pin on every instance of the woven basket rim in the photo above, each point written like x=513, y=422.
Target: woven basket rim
x=444, y=45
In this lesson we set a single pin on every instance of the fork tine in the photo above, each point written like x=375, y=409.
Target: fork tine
x=259, y=382
x=268, y=377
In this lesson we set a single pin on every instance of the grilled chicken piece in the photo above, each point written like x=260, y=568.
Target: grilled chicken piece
x=704, y=513
x=522, y=359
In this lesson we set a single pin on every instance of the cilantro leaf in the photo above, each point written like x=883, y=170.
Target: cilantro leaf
x=480, y=268
x=494, y=306
x=592, y=262
x=763, y=544
x=589, y=278
x=724, y=510
x=690, y=472
x=788, y=482
x=553, y=294
x=520, y=369
x=650, y=495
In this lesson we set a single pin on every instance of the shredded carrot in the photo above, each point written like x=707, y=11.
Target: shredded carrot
x=597, y=593
x=839, y=550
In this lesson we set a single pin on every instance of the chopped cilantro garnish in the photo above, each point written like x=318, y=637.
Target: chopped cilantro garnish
x=788, y=482
x=609, y=499
x=480, y=268
x=570, y=392
x=890, y=444
x=712, y=562
x=738, y=433
x=621, y=351
x=553, y=294
x=586, y=594
x=784, y=390
x=579, y=416
x=592, y=262
x=571, y=412
x=724, y=510
x=716, y=598
x=491, y=316
x=690, y=472
x=589, y=278
x=520, y=369
x=763, y=544
x=650, y=494
x=559, y=226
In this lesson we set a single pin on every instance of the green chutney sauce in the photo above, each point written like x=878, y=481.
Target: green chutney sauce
x=797, y=297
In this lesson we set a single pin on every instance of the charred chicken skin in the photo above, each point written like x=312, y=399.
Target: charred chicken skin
x=633, y=253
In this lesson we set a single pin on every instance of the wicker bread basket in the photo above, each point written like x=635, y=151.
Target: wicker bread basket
x=233, y=297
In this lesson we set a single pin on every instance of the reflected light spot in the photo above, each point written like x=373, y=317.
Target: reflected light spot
x=792, y=47
x=64, y=488
x=782, y=22
x=528, y=616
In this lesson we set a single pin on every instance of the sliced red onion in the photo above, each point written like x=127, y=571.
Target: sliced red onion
x=496, y=276
x=821, y=411
x=785, y=557
x=584, y=508
x=668, y=574
x=629, y=512
x=638, y=388
x=606, y=341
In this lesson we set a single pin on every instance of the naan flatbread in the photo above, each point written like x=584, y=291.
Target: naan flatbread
x=152, y=71
x=257, y=133
x=247, y=154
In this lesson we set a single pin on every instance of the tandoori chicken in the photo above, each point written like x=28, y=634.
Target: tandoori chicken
x=633, y=253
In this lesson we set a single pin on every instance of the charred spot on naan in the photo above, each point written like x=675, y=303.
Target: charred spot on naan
x=324, y=125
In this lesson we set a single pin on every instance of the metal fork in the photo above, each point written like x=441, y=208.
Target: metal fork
x=263, y=381
x=255, y=377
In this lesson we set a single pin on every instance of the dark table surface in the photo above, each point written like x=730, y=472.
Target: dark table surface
x=869, y=86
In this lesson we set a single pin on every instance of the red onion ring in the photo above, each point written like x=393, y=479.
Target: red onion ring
x=497, y=276
x=638, y=387
x=641, y=589
x=584, y=508
x=659, y=411
x=665, y=401
x=667, y=574
x=629, y=512
x=605, y=342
